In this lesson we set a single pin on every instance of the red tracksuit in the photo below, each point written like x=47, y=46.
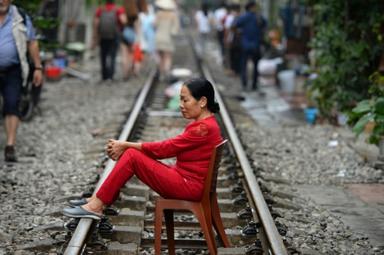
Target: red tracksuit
x=184, y=180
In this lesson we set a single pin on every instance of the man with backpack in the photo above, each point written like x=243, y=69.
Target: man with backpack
x=17, y=40
x=108, y=21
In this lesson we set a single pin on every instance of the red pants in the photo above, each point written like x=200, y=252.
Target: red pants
x=163, y=179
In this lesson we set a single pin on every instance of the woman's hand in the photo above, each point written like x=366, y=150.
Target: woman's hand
x=115, y=148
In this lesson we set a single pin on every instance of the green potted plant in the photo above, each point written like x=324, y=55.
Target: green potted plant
x=371, y=111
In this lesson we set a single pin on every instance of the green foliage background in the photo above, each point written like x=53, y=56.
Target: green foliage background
x=348, y=44
x=31, y=7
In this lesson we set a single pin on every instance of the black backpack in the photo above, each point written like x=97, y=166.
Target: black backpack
x=23, y=14
x=30, y=96
x=108, y=27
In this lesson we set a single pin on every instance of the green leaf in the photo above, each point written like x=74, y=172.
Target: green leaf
x=374, y=139
x=378, y=129
x=359, y=126
x=379, y=119
x=362, y=107
x=379, y=106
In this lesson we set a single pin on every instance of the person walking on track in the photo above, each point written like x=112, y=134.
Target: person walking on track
x=167, y=25
x=107, y=25
x=17, y=40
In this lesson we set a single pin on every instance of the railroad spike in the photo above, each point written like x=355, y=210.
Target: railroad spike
x=72, y=224
x=237, y=189
x=240, y=200
x=105, y=228
x=245, y=214
x=111, y=211
x=251, y=229
x=254, y=250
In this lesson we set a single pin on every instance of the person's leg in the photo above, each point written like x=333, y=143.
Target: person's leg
x=103, y=59
x=131, y=63
x=167, y=62
x=161, y=178
x=127, y=60
x=108, y=58
x=244, y=68
x=113, y=52
x=11, y=97
x=11, y=125
x=11, y=91
x=124, y=60
x=237, y=60
x=220, y=39
x=161, y=63
x=255, y=60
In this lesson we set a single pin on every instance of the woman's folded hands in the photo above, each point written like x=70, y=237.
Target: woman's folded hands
x=116, y=148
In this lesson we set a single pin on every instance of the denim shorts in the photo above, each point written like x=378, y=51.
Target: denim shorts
x=11, y=88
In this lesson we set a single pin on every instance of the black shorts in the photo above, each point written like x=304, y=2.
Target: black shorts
x=11, y=88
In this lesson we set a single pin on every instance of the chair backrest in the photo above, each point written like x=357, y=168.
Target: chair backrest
x=213, y=169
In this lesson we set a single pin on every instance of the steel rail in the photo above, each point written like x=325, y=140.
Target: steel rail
x=79, y=237
x=274, y=238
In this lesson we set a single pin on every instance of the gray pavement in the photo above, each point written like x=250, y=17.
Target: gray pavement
x=272, y=109
x=363, y=216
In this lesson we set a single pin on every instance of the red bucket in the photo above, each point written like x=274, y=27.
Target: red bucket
x=53, y=72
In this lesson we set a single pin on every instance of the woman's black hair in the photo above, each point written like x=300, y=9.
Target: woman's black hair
x=203, y=88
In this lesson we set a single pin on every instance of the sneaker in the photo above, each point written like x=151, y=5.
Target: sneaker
x=10, y=153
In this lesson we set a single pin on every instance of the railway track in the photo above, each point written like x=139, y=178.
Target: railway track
x=129, y=227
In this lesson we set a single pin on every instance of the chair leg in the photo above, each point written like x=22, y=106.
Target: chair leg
x=206, y=226
x=158, y=225
x=168, y=214
x=218, y=224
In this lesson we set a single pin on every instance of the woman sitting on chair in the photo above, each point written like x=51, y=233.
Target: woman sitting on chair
x=192, y=149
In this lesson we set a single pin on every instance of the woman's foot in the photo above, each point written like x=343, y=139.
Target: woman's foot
x=93, y=209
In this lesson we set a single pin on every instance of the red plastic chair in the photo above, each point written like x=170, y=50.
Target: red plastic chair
x=206, y=211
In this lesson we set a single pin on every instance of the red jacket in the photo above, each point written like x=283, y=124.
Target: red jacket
x=192, y=148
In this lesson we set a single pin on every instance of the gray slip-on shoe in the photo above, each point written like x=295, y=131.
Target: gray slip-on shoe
x=77, y=202
x=80, y=212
